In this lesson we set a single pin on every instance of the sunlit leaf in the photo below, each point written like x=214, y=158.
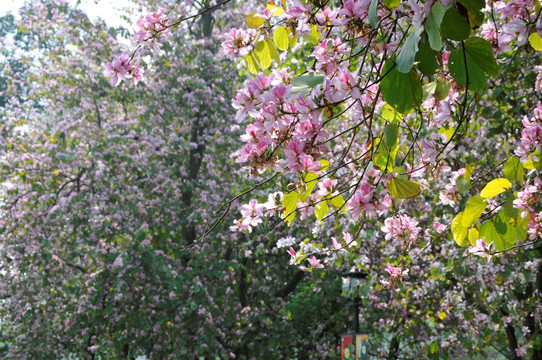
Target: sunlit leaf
x=252, y=63
x=280, y=36
x=475, y=207
x=490, y=234
x=403, y=189
x=289, y=204
x=513, y=170
x=495, y=187
x=459, y=232
x=536, y=41
x=254, y=21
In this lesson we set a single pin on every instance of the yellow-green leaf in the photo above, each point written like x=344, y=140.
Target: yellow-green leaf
x=495, y=187
x=459, y=232
x=254, y=21
x=289, y=204
x=536, y=41
x=513, y=170
x=473, y=236
x=475, y=207
x=321, y=209
x=314, y=35
x=293, y=41
x=263, y=54
x=403, y=189
x=274, y=9
x=325, y=165
x=280, y=36
x=310, y=183
x=490, y=234
x=273, y=50
x=390, y=114
x=338, y=203
x=252, y=64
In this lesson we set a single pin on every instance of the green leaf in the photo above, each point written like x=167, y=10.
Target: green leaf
x=401, y=91
x=481, y=52
x=390, y=114
x=509, y=208
x=280, y=37
x=406, y=57
x=337, y=202
x=473, y=4
x=490, y=234
x=325, y=165
x=321, y=209
x=373, y=19
x=454, y=26
x=495, y=187
x=459, y=232
x=254, y=21
x=391, y=4
x=289, y=203
x=293, y=41
x=474, y=235
x=536, y=41
x=435, y=347
x=513, y=170
x=426, y=58
x=314, y=35
x=263, y=54
x=403, y=189
x=310, y=183
x=505, y=229
x=384, y=157
x=473, y=7
x=442, y=90
x=432, y=26
x=460, y=66
x=252, y=64
x=305, y=83
x=475, y=207
x=462, y=184
x=391, y=135
x=273, y=50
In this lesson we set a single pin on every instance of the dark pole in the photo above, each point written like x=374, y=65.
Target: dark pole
x=356, y=315
x=356, y=275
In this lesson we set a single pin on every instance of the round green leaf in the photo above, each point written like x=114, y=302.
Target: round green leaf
x=475, y=207
x=513, y=170
x=454, y=26
x=427, y=61
x=280, y=37
x=460, y=66
x=401, y=91
x=459, y=232
x=403, y=189
x=480, y=51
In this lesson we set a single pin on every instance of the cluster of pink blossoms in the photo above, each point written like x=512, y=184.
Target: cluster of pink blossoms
x=396, y=276
x=252, y=216
x=238, y=41
x=402, y=227
x=123, y=67
x=363, y=201
x=531, y=136
x=150, y=28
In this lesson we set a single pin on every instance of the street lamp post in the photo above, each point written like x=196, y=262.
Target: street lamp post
x=353, y=279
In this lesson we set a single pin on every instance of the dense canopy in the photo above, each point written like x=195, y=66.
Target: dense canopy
x=194, y=185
